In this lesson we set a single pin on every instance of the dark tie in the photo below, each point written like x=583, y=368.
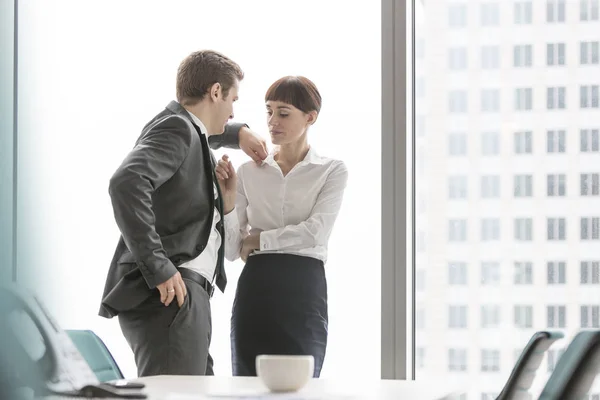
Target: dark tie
x=220, y=277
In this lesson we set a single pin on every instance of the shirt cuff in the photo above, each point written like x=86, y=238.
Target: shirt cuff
x=267, y=241
x=231, y=221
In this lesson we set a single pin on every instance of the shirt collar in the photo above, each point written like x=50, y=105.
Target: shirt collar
x=311, y=158
x=197, y=121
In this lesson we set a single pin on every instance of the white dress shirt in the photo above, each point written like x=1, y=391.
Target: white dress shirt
x=206, y=263
x=294, y=214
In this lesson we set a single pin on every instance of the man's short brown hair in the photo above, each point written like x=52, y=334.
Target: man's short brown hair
x=202, y=69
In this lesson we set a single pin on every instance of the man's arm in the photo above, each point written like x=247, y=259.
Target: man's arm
x=239, y=136
x=152, y=162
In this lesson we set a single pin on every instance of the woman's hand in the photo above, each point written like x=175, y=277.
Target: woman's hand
x=250, y=243
x=227, y=181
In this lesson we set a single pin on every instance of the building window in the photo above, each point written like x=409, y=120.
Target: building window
x=590, y=184
x=457, y=15
x=555, y=54
x=523, y=229
x=490, y=273
x=457, y=230
x=457, y=101
x=490, y=57
x=523, y=99
x=457, y=144
x=490, y=229
x=490, y=186
x=457, y=317
x=589, y=53
x=420, y=358
x=490, y=316
x=490, y=360
x=556, y=141
x=420, y=318
x=490, y=143
x=490, y=14
x=457, y=187
x=590, y=228
x=590, y=272
x=457, y=58
x=556, y=98
x=557, y=185
x=523, y=142
x=457, y=359
x=523, y=185
x=589, y=96
x=590, y=140
x=457, y=273
x=557, y=316
x=523, y=12
x=588, y=10
x=522, y=55
x=490, y=100
x=523, y=316
x=555, y=11
x=553, y=356
x=556, y=228
x=557, y=272
x=590, y=316
x=523, y=273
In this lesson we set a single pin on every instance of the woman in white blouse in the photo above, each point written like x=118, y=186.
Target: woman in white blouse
x=279, y=216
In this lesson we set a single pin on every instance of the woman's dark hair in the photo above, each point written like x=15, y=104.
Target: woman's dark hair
x=298, y=91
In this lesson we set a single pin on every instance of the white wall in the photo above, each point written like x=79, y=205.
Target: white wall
x=92, y=74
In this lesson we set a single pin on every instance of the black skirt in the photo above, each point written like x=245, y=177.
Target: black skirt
x=280, y=307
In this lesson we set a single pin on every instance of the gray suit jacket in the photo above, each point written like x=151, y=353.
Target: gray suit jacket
x=163, y=201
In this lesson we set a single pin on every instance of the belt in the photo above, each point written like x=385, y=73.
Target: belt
x=187, y=273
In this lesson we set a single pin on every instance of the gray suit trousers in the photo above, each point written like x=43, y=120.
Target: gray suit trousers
x=171, y=340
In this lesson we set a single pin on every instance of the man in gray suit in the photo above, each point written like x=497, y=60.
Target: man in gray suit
x=168, y=207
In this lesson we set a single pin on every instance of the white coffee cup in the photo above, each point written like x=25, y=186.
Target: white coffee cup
x=282, y=373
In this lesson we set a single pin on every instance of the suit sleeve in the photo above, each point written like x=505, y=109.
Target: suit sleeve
x=154, y=160
x=230, y=138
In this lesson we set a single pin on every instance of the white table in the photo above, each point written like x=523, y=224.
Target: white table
x=214, y=387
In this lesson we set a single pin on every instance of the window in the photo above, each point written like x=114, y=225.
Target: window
x=490, y=316
x=490, y=273
x=590, y=316
x=457, y=317
x=421, y=273
x=523, y=142
x=523, y=273
x=457, y=58
x=553, y=356
x=490, y=57
x=557, y=185
x=590, y=228
x=557, y=316
x=490, y=14
x=590, y=184
x=523, y=99
x=556, y=141
x=557, y=228
x=589, y=53
x=420, y=318
x=590, y=272
x=523, y=185
x=490, y=360
x=523, y=12
x=523, y=316
x=457, y=15
x=589, y=96
x=457, y=144
x=590, y=140
x=490, y=186
x=523, y=229
x=555, y=10
x=490, y=229
x=588, y=10
x=522, y=55
x=457, y=273
x=490, y=100
x=457, y=230
x=457, y=187
x=557, y=272
x=490, y=144
x=457, y=359
x=556, y=98
x=420, y=357
x=555, y=54
x=458, y=101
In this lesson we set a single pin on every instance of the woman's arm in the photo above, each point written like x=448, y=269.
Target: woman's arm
x=317, y=228
x=236, y=222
